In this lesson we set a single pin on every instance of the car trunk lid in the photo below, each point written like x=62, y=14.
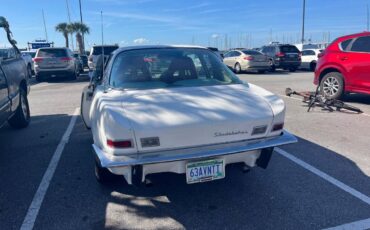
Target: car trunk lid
x=188, y=117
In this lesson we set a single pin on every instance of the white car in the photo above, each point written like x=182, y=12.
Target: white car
x=178, y=109
x=309, y=59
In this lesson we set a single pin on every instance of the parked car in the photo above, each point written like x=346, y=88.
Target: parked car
x=55, y=62
x=344, y=66
x=28, y=58
x=80, y=64
x=162, y=114
x=309, y=59
x=98, y=50
x=246, y=60
x=14, y=86
x=282, y=56
x=84, y=61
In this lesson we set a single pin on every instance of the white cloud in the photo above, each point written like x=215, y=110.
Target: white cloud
x=141, y=41
x=215, y=36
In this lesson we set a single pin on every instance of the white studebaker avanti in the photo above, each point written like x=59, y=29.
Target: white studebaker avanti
x=177, y=109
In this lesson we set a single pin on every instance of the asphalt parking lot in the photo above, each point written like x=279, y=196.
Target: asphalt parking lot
x=323, y=181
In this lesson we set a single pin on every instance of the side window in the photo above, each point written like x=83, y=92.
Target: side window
x=361, y=44
x=237, y=54
x=344, y=44
x=304, y=53
x=308, y=52
x=226, y=55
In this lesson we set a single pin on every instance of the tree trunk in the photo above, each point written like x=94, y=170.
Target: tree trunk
x=66, y=39
x=79, y=42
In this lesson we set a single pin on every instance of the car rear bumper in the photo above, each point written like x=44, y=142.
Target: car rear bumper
x=175, y=161
x=56, y=72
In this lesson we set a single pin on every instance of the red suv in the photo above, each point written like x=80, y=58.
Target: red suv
x=344, y=66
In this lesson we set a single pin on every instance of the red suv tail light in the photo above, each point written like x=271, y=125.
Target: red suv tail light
x=280, y=54
x=320, y=55
x=123, y=144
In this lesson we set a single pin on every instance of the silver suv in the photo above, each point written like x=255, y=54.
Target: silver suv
x=98, y=50
x=55, y=62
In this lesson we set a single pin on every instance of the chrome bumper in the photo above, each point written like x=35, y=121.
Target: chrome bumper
x=110, y=161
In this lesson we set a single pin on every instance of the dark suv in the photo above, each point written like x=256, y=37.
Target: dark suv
x=282, y=56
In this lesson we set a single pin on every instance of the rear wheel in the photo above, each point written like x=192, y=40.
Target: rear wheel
x=21, y=118
x=312, y=66
x=73, y=76
x=39, y=78
x=29, y=71
x=272, y=66
x=331, y=86
x=237, y=68
x=103, y=175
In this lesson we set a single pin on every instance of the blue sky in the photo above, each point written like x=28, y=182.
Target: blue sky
x=203, y=22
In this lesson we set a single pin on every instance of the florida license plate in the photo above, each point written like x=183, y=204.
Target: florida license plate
x=203, y=171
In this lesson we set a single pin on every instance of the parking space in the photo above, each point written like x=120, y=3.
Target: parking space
x=320, y=182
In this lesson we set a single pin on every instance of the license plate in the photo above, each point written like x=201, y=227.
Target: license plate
x=203, y=171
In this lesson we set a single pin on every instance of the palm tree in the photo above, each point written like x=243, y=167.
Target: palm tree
x=64, y=29
x=79, y=29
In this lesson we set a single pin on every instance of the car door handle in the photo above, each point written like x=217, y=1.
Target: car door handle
x=343, y=58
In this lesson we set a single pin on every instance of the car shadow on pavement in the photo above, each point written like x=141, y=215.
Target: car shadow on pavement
x=82, y=78
x=358, y=98
x=284, y=196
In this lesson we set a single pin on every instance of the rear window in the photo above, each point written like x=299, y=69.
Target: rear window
x=251, y=52
x=97, y=50
x=172, y=67
x=344, y=44
x=52, y=53
x=289, y=49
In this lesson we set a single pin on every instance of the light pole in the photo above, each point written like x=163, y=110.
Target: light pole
x=303, y=18
x=83, y=35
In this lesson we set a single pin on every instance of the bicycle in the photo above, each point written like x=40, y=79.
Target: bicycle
x=314, y=99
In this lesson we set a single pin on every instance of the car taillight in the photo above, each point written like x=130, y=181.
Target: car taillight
x=320, y=55
x=280, y=54
x=66, y=59
x=278, y=126
x=38, y=59
x=248, y=58
x=119, y=144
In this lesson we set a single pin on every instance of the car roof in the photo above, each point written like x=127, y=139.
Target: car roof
x=51, y=48
x=158, y=47
x=354, y=35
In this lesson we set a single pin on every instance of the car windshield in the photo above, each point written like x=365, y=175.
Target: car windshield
x=52, y=53
x=97, y=50
x=169, y=67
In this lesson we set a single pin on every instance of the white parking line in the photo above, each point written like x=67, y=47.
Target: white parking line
x=34, y=208
x=325, y=176
x=357, y=225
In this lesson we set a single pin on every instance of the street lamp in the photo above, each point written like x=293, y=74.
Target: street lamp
x=303, y=18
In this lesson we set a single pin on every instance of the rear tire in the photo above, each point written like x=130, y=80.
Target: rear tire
x=332, y=85
x=312, y=66
x=29, y=71
x=103, y=175
x=39, y=78
x=21, y=118
x=73, y=76
x=272, y=66
x=237, y=68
